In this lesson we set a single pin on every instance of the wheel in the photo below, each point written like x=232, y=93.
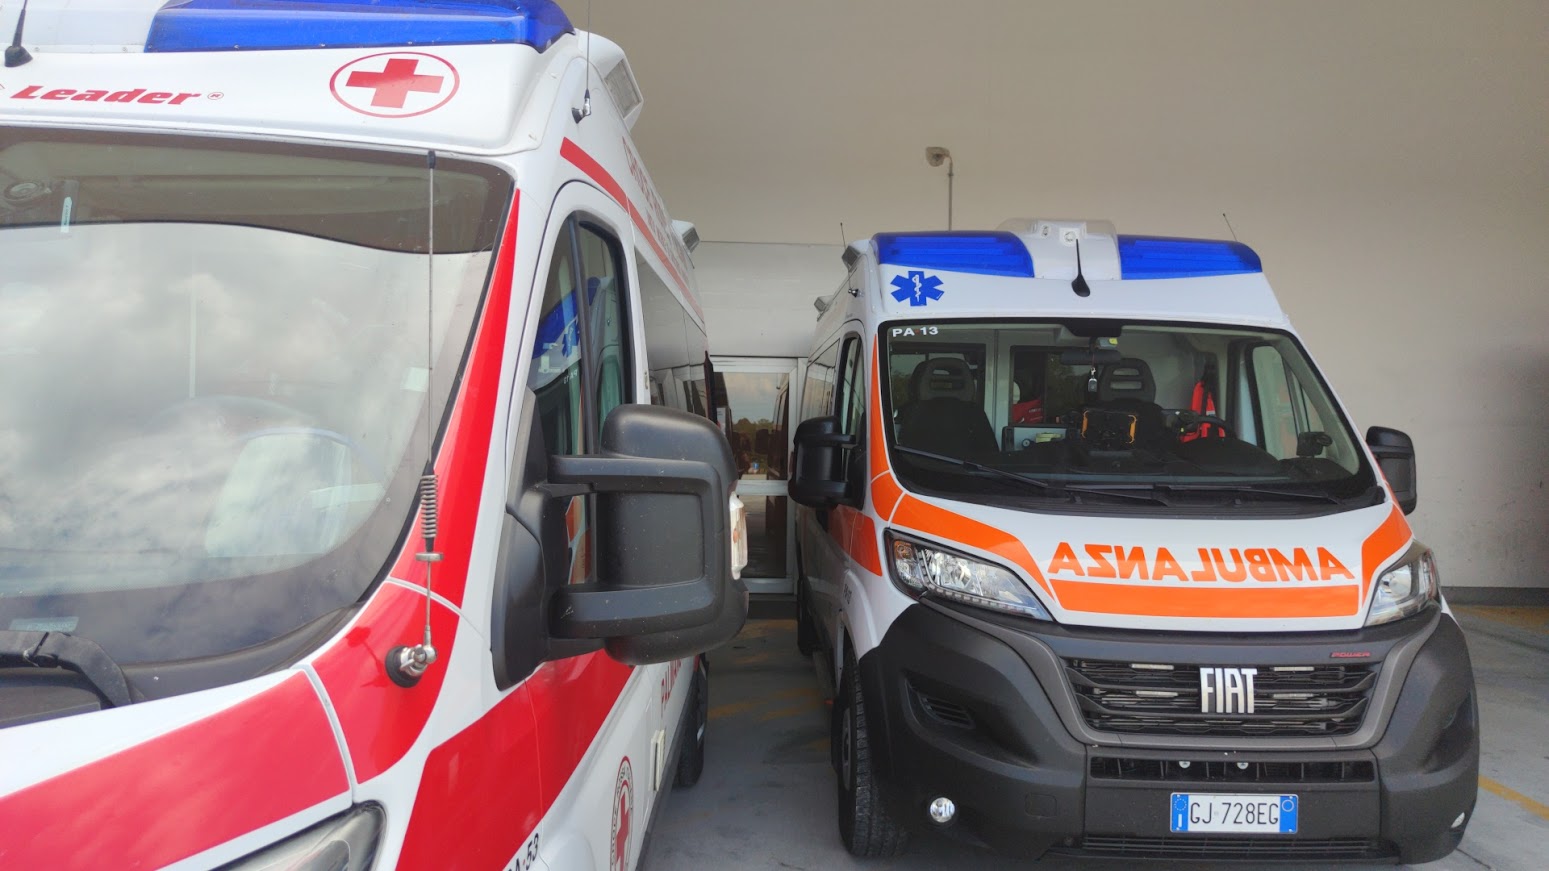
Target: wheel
x=806, y=627
x=866, y=827
x=691, y=759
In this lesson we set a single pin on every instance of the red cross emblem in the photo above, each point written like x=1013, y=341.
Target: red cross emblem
x=395, y=84
x=623, y=804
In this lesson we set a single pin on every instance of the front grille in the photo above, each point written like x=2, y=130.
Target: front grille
x=1215, y=771
x=1220, y=847
x=1164, y=699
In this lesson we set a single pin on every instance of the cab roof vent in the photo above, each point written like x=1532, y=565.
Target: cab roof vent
x=620, y=82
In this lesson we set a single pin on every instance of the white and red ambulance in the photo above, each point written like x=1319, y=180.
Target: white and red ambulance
x=1103, y=567
x=360, y=500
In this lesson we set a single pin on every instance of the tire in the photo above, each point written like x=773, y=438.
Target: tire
x=806, y=627
x=691, y=759
x=866, y=827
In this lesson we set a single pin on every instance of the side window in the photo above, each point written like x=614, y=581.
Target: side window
x=852, y=405
x=607, y=337
x=580, y=359
x=1284, y=412
x=817, y=395
x=556, y=376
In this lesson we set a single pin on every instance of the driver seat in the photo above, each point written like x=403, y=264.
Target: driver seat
x=945, y=417
x=1128, y=387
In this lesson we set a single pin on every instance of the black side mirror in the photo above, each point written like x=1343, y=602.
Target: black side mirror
x=663, y=481
x=1395, y=453
x=816, y=479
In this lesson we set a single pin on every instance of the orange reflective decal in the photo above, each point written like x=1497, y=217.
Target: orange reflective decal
x=885, y=491
x=885, y=494
x=856, y=535
x=877, y=450
x=1213, y=601
x=950, y=526
x=1384, y=542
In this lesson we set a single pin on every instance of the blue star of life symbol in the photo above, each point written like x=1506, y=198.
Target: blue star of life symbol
x=917, y=287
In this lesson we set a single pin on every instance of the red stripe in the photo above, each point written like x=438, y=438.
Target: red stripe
x=465, y=448
x=484, y=790
x=478, y=799
x=380, y=719
x=572, y=698
x=183, y=792
x=589, y=165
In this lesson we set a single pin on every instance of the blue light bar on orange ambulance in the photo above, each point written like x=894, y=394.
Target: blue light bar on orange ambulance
x=259, y=25
x=993, y=253
x=1143, y=257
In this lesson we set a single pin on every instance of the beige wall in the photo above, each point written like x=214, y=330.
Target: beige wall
x=1389, y=161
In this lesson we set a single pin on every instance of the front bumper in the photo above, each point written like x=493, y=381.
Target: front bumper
x=978, y=709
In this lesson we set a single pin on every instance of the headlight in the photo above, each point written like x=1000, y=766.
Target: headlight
x=927, y=568
x=347, y=842
x=1406, y=588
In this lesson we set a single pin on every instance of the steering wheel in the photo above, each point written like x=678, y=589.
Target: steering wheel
x=1186, y=420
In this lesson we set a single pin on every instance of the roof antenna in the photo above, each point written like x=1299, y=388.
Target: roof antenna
x=15, y=54
x=586, y=98
x=842, y=240
x=1080, y=285
x=406, y=665
x=1229, y=226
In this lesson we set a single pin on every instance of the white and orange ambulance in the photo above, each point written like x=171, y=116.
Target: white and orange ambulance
x=1103, y=567
x=360, y=501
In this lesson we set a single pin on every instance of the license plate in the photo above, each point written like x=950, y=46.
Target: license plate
x=1251, y=814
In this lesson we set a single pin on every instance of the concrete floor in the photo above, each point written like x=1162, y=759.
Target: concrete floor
x=767, y=797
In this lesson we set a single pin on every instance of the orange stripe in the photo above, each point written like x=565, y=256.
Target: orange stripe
x=878, y=434
x=951, y=526
x=885, y=491
x=885, y=494
x=856, y=534
x=1147, y=601
x=1393, y=534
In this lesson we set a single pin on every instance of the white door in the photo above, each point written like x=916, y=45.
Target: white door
x=760, y=396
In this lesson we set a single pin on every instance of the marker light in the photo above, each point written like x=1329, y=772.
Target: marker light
x=1406, y=588
x=245, y=25
x=929, y=569
x=994, y=253
x=1143, y=257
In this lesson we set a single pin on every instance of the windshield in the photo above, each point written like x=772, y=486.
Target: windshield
x=1162, y=413
x=216, y=377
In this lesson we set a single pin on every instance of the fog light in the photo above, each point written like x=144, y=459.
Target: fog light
x=1459, y=821
x=942, y=810
x=1183, y=763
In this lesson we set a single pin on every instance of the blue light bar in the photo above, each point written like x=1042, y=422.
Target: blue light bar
x=1143, y=257
x=259, y=25
x=981, y=253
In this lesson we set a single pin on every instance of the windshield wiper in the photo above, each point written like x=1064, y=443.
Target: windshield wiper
x=62, y=650
x=978, y=467
x=1251, y=489
x=1041, y=486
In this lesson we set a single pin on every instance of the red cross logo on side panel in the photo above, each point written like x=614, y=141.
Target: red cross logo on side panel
x=397, y=84
x=623, y=807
